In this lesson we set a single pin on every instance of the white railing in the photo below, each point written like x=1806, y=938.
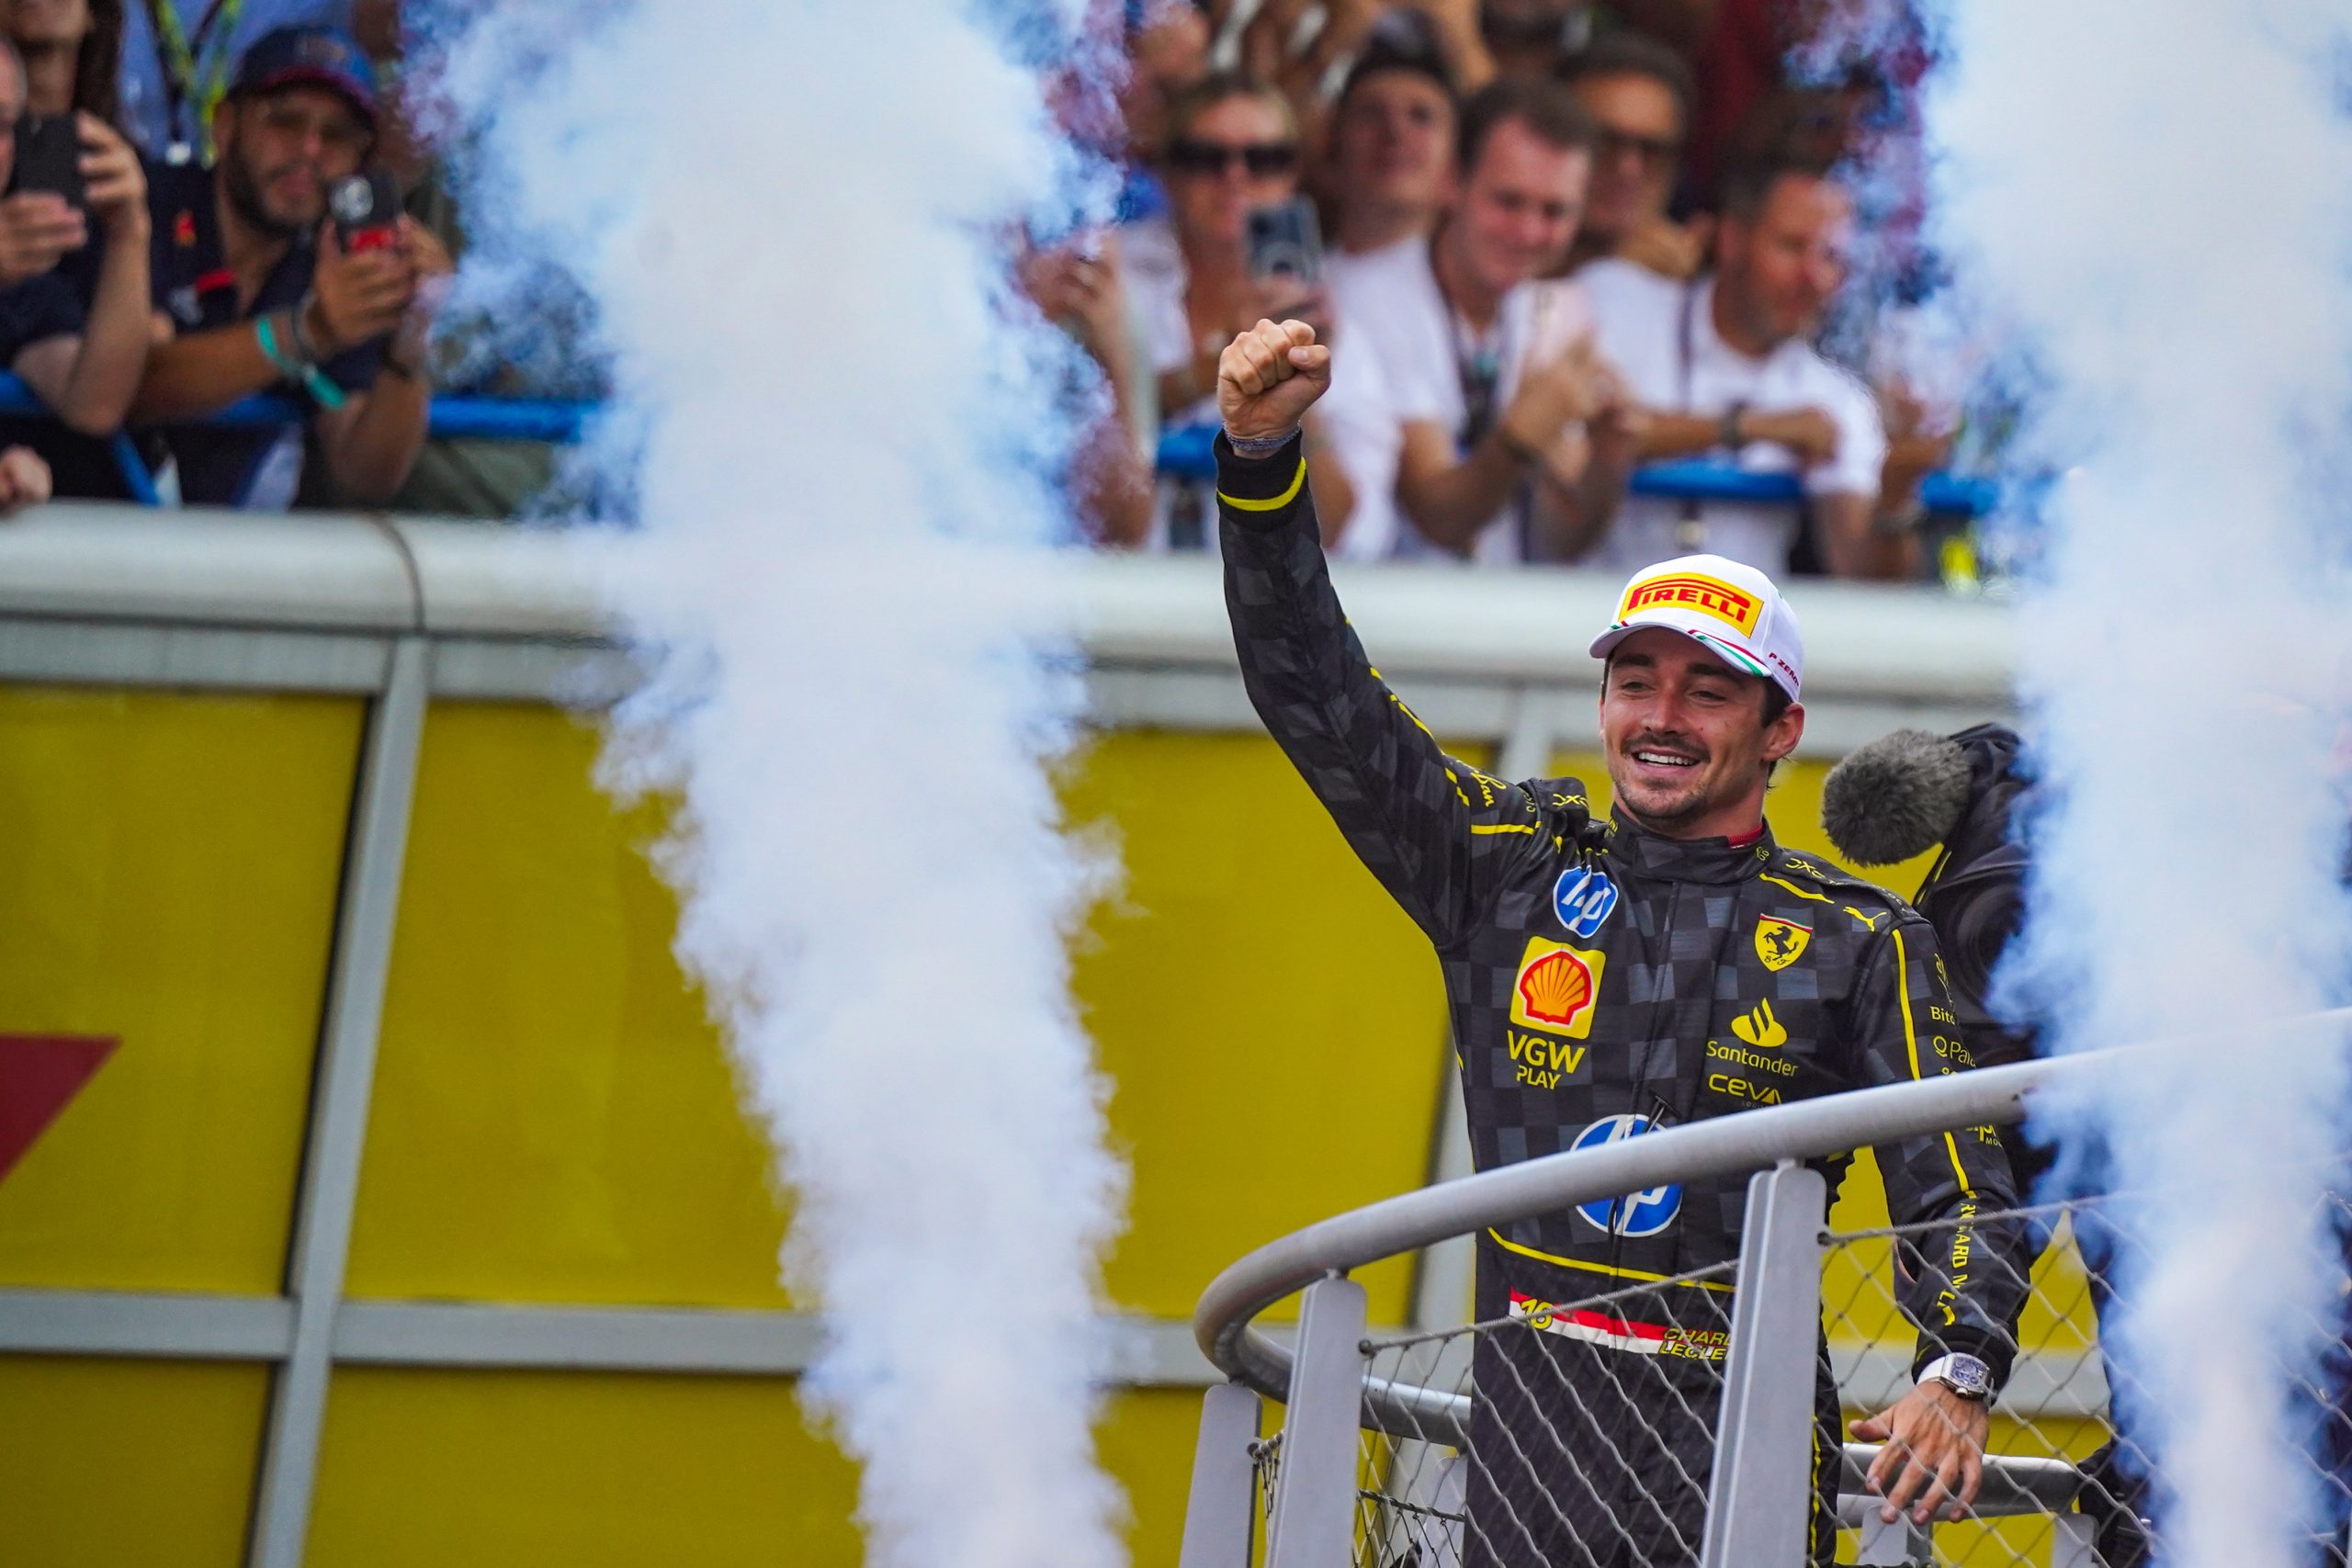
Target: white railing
x=1332, y=1381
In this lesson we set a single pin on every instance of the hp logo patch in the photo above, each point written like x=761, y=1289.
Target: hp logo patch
x=1583, y=898
x=1636, y=1213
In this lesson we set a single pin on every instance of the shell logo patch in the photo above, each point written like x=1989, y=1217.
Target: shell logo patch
x=1780, y=942
x=1558, y=989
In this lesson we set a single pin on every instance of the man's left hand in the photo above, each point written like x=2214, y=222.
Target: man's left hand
x=113, y=181
x=429, y=269
x=23, y=480
x=1933, y=1457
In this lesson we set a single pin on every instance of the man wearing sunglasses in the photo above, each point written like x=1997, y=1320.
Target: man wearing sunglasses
x=1233, y=149
x=1638, y=93
x=269, y=293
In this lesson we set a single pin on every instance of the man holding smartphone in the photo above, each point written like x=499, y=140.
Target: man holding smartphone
x=78, y=341
x=269, y=289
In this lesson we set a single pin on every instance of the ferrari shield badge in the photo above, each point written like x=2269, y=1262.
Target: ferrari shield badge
x=1780, y=942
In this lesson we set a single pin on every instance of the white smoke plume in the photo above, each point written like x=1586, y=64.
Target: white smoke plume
x=791, y=221
x=2158, y=192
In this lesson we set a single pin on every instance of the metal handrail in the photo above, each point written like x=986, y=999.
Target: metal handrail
x=1723, y=1145
x=1223, y=1322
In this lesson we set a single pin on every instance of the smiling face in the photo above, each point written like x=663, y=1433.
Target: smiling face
x=1639, y=146
x=1392, y=141
x=1685, y=737
x=1237, y=154
x=1780, y=264
x=1517, y=209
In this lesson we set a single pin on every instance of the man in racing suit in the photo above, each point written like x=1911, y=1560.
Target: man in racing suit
x=1607, y=976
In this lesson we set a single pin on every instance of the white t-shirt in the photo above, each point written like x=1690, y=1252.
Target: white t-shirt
x=1186, y=509
x=1640, y=317
x=1388, y=300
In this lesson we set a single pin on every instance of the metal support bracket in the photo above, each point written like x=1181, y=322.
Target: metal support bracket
x=1219, y=1513
x=341, y=1096
x=1760, y=1500
x=1314, y=1492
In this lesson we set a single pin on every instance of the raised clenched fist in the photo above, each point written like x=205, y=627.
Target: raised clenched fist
x=1269, y=376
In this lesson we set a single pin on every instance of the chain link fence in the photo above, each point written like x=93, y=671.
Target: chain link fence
x=1577, y=1433
x=1580, y=1434
x=2062, y=1394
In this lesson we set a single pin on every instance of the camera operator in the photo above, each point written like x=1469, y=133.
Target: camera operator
x=269, y=290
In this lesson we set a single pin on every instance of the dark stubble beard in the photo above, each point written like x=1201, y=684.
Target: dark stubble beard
x=244, y=194
x=1688, y=807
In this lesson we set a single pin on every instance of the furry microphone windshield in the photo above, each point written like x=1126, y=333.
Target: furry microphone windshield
x=1898, y=796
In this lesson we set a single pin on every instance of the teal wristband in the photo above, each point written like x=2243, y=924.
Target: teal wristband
x=327, y=394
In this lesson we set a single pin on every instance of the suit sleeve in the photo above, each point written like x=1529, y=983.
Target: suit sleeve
x=1966, y=1274
x=1439, y=835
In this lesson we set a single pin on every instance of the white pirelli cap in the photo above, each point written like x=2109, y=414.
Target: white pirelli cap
x=1731, y=609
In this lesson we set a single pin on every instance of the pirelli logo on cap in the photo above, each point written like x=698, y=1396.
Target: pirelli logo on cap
x=1736, y=607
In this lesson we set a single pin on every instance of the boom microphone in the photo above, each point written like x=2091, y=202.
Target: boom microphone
x=1898, y=796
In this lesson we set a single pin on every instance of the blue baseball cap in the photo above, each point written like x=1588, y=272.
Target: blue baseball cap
x=308, y=56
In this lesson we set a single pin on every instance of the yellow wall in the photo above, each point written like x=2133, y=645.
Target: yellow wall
x=127, y=1463
x=1275, y=1026
x=171, y=861
x=423, y=1469
x=555, y=1121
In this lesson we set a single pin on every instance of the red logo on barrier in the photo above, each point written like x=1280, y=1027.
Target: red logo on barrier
x=39, y=1075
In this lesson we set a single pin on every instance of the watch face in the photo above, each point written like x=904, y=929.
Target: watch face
x=1968, y=1375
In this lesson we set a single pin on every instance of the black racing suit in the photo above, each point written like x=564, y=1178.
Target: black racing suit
x=1603, y=980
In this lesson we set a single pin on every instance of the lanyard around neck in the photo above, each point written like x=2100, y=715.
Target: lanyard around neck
x=188, y=83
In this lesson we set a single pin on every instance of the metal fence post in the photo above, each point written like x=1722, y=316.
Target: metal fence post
x=1315, y=1489
x=1223, y=1497
x=1899, y=1545
x=2073, y=1542
x=1759, y=1502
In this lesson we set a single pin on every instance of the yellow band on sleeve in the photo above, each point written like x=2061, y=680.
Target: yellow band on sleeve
x=1298, y=483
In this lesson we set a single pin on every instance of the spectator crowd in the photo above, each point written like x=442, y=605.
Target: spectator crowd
x=1550, y=241
x=1550, y=244
x=205, y=200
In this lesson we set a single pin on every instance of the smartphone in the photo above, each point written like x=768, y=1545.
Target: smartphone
x=366, y=210
x=48, y=158
x=1284, y=240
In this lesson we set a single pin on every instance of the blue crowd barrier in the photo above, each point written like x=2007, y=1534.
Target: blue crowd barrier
x=452, y=415
x=1184, y=453
x=1184, y=450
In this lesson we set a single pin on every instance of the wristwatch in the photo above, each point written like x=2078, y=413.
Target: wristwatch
x=1727, y=429
x=1964, y=1375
